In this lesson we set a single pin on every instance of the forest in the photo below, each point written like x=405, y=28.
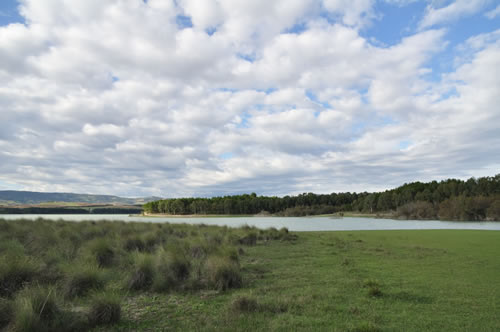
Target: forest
x=475, y=199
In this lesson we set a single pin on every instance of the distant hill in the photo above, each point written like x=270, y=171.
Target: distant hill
x=10, y=197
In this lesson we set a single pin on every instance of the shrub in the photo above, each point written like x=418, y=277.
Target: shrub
x=143, y=275
x=80, y=282
x=105, y=309
x=222, y=274
x=417, y=210
x=15, y=272
x=493, y=212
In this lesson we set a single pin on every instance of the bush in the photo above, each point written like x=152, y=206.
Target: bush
x=143, y=275
x=417, y=210
x=105, y=309
x=493, y=212
x=79, y=283
x=222, y=274
x=15, y=272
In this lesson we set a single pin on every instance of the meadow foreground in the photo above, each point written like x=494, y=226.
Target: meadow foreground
x=132, y=276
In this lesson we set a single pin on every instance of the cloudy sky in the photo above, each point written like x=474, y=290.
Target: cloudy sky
x=211, y=97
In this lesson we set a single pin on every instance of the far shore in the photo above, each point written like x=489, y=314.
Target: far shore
x=331, y=215
x=165, y=215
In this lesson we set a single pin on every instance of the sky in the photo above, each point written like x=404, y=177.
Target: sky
x=178, y=98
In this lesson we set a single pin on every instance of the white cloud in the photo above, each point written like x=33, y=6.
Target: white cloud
x=451, y=12
x=114, y=97
x=355, y=13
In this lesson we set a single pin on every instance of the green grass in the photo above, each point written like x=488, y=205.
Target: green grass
x=439, y=280
x=221, y=279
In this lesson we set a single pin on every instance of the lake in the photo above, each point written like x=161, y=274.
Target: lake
x=294, y=224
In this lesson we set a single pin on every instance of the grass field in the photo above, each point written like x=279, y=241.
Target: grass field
x=319, y=281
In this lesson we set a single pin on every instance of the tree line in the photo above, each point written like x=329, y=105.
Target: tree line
x=452, y=199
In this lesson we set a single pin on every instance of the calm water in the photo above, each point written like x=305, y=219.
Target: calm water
x=293, y=224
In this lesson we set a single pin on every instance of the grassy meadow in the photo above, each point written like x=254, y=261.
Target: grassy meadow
x=116, y=276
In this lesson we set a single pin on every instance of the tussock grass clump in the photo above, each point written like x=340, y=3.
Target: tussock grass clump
x=222, y=273
x=35, y=309
x=6, y=312
x=247, y=304
x=134, y=243
x=105, y=309
x=15, y=272
x=11, y=247
x=143, y=275
x=249, y=239
x=198, y=251
x=81, y=281
x=151, y=241
x=103, y=252
x=172, y=269
x=244, y=304
x=373, y=288
x=277, y=307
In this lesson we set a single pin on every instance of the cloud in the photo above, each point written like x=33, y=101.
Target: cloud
x=116, y=98
x=493, y=13
x=451, y=12
x=353, y=12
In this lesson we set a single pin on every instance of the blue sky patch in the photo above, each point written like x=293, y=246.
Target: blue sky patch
x=296, y=28
x=247, y=57
x=9, y=12
x=395, y=22
x=405, y=144
x=226, y=155
x=211, y=30
x=315, y=99
x=245, y=117
x=183, y=22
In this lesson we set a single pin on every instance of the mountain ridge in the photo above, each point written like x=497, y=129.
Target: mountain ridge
x=13, y=197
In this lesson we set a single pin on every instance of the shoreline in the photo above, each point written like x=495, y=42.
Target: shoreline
x=333, y=215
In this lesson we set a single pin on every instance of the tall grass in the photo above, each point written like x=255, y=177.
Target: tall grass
x=84, y=261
